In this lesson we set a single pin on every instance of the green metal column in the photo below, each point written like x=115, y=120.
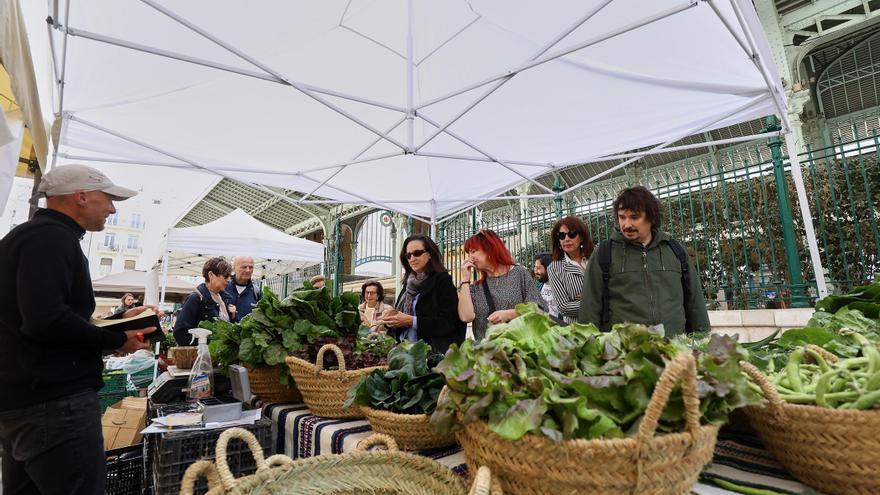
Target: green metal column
x=792, y=259
x=337, y=252
x=558, y=188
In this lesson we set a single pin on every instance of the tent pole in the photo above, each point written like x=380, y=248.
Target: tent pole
x=433, y=217
x=80, y=33
x=553, y=56
x=164, y=278
x=752, y=102
x=589, y=15
x=271, y=71
x=798, y=179
x=410, y=70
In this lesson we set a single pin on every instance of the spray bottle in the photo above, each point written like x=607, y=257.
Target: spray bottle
x=201, y=377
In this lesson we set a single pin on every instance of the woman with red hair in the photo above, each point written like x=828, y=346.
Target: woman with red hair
x=500, y=284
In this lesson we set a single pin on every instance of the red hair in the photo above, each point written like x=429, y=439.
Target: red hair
x=488, y=242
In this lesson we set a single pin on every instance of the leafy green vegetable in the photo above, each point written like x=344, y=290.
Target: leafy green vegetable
x=530, y=376
x=407, y=387
x=275, y=328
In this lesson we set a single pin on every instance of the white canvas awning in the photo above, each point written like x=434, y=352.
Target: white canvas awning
x=135, y=281
x=424, y=107
x=420, y=106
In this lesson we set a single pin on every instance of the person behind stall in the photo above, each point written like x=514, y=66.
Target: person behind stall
x=128, y=301
x=372, y=307
x=500, y=284
x=208, y=302
x=50, y=355
x=541, y=263
x=318, y=281
x=427, y=306
x=572, y=246
x=241, y=291
x=642, y=275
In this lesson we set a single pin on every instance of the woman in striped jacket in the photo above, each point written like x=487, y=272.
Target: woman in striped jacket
x=572, y=246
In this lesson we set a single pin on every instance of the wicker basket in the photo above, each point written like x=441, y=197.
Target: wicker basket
x=266, y=384
x=410, y=431
x=836, y=451
x=325, y=391
x=184, y=356
x=388, y=472
x=644, y=464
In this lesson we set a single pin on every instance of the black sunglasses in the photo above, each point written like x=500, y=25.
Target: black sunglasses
x=571, y=234
x=415, y=254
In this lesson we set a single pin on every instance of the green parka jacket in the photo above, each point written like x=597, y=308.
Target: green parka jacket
x=644, y=287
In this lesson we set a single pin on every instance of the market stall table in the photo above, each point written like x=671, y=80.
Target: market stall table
x=739, y=457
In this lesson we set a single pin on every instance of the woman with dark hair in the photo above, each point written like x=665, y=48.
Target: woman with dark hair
x=208, y=302
x=572, y=246
x=372, y=306
x=128, y=301
x=500, y=284
x=427, y=306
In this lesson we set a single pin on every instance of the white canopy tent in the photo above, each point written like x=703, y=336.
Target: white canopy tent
x=419, y=106
x=183, y=251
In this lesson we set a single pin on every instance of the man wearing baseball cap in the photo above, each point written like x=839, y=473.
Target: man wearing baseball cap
x=50, y=355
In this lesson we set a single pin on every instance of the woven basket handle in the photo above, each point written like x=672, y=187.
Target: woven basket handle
x=683, y=367
x=226, y=477
x=482, y=482
x=769, y=390
x=196, y=469
x=377, y=439
x=319, y=361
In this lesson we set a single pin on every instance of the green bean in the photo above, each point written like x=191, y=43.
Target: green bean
x=873, y=382
x=792, y=370
x=822, y=386
x=810, y=399
x=747, y=490
x=823, y=365
x=868, y=400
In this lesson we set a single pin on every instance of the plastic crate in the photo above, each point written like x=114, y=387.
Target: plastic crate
x=125, y=470
x=168, y=455
x=114, y=381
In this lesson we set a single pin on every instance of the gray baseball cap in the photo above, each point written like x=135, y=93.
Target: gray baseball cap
x=68, y=179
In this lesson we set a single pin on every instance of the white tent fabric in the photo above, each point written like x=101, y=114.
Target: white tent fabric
x=15, y=52
x=419, y=106
x=135, y=281
x=236, y=233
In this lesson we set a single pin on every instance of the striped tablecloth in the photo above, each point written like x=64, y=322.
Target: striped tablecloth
x=739, y=458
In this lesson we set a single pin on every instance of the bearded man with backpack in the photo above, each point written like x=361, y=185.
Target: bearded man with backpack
x=642, y=275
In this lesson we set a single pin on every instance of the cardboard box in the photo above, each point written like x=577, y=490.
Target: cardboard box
x=122, y=422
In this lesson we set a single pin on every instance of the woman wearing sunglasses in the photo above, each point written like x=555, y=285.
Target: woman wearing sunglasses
x=501, y=284
x=427, y=306
x=572, y=246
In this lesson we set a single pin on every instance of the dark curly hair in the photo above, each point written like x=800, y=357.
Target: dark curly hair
x=640, y=200
x=217, y=266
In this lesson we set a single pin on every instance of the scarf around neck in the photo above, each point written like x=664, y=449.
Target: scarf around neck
x=413, y=287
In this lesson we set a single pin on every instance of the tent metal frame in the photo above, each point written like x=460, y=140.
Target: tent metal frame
x=412, y=110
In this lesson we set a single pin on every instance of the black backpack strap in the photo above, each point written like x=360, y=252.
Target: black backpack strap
x=682, y=256
x=604, y=259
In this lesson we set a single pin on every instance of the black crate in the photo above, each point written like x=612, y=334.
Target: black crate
x=169, y=454
x=125, y=470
